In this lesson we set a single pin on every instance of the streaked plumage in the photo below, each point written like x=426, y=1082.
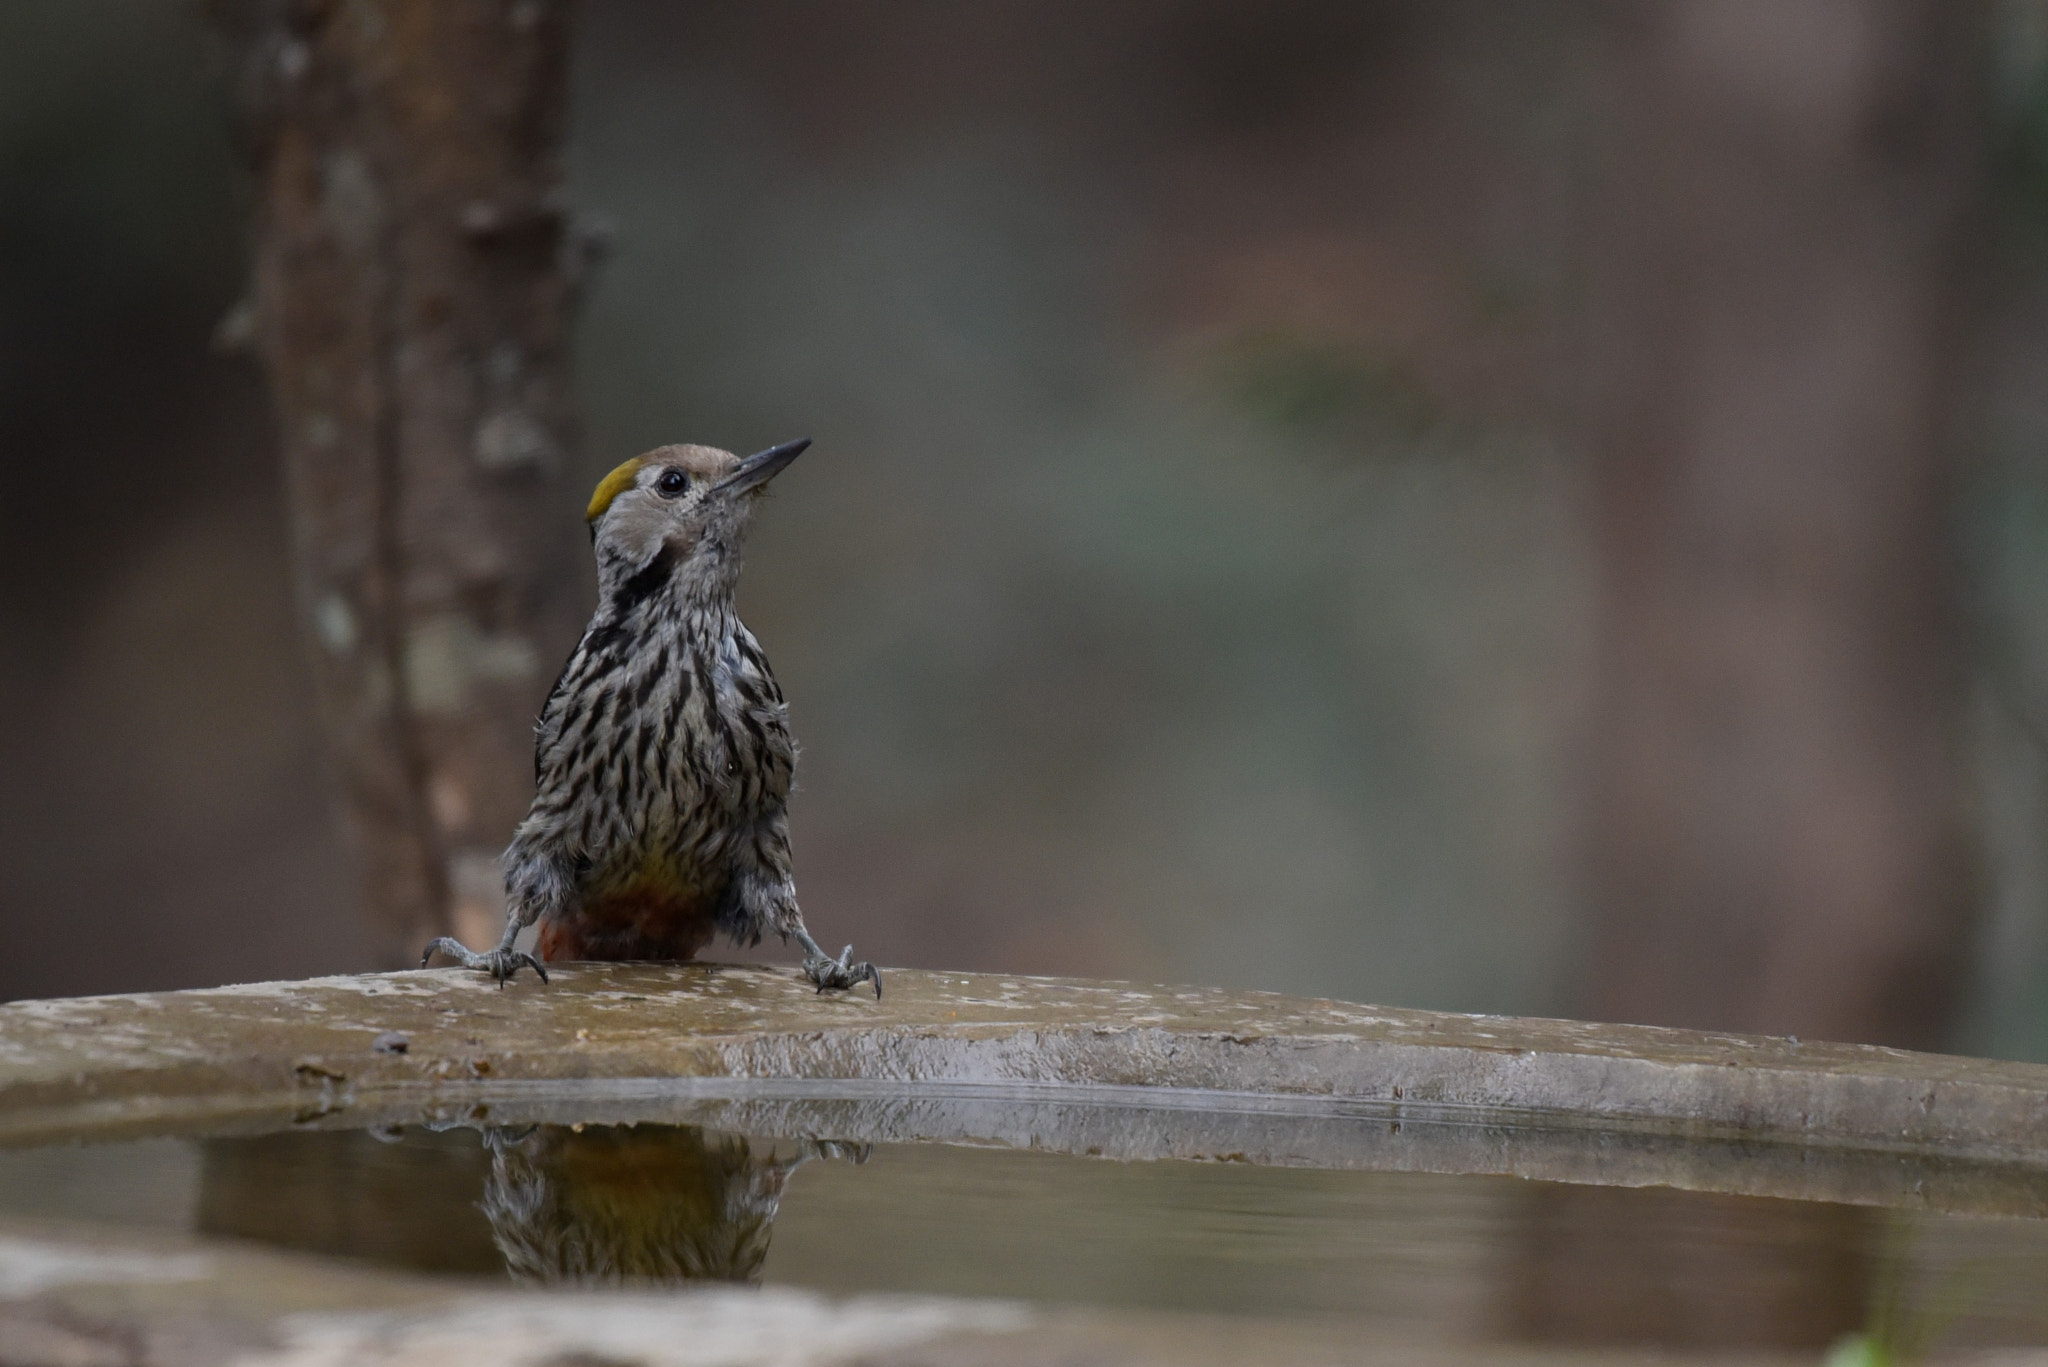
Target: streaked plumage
x=662, y=758
x=632, y=1206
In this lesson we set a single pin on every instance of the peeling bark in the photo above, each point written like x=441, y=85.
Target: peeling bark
x=411, y=306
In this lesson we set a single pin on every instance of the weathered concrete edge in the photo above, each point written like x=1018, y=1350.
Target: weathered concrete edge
x=289, y=1053
x=1152, y=1124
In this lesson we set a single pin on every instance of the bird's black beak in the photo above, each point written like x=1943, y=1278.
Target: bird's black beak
x=757, y=469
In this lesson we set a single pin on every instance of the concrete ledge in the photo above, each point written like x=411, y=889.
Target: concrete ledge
x=98, y=1298
x=1082, y=1067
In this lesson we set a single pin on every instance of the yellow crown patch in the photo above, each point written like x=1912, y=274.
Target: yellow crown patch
x=610, y=487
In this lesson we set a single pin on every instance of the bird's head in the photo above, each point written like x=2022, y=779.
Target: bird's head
x=686, y=507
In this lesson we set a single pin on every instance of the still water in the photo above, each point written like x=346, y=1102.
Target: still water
x=1418, y=1256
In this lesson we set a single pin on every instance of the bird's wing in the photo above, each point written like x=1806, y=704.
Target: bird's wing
x=547, y=727
x=768, y=713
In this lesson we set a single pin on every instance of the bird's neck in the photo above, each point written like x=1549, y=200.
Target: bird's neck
x=696, y=581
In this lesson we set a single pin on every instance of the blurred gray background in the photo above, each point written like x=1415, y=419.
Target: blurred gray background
x=1205, y=569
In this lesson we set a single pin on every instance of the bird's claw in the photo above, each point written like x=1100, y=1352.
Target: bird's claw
x=842, y=974
x=501, y=963
x=500, y=1138
x=842, y=1150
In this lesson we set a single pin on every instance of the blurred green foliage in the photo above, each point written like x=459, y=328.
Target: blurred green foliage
x=2018, y=83
x=1303, y=385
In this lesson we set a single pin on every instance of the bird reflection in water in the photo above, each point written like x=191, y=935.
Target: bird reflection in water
x=600, y=1205
x=611, y=1205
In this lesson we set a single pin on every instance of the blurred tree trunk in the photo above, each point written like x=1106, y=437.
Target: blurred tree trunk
x=411, y=307
x=1776, y=833
x=1777, y=829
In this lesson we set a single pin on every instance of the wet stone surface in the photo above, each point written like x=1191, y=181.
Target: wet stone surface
x=696, y=1164
x=1090, y=1068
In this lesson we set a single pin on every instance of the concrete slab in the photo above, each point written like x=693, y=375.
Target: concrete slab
x=1112, y=1069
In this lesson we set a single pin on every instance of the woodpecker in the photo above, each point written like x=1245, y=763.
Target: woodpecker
x=662, y=757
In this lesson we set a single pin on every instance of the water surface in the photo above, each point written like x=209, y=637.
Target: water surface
x=1416, y=1256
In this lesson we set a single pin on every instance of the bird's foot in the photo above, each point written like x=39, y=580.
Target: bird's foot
x=841, y=1150
x=842, y=974
x=816, y=1150
x=500, y=1138
x=501, y=963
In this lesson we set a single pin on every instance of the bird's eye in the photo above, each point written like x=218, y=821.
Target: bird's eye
x=672, y=482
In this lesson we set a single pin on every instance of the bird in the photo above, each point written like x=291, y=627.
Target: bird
x=662, y=755
x=637, y=1205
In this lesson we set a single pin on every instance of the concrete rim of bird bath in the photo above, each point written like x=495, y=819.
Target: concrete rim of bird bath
x=1098, y=1068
